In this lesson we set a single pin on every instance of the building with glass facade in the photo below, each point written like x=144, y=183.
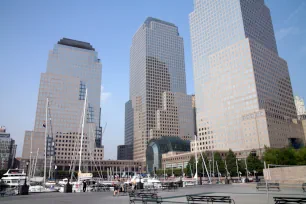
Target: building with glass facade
x=243, y=90
x=157, y=147
x=124, y=152
x=73, y=66
x=7, y=150
x=158, y=86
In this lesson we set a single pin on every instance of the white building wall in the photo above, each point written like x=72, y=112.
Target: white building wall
x=237, y=72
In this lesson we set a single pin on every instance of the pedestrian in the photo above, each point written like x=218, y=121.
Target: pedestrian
x=84, y=186
x=116, y=189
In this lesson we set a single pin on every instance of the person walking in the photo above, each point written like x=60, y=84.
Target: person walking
x=116, y=189
x=84, y=186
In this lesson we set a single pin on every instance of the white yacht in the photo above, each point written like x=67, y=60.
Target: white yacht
x=14, y=177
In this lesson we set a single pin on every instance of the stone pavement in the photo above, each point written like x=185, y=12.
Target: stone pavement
x=241, y=193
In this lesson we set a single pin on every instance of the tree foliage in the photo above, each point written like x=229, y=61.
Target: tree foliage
x=221, y=165
x=285, y=156
x=254, y=164
x=201, y=166
x=231, y=163
x=191, y=167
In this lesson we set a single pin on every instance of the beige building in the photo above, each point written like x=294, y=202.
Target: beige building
x=73, y=66
x=243, y=89
x=158, y=96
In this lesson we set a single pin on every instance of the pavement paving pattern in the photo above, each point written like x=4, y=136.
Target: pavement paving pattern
x=241, y=193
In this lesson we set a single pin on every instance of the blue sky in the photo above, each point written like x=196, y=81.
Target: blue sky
x=29, y=29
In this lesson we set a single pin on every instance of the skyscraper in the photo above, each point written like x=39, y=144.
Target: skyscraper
x=300, y=106
x=243, y=88
x=73, y=66
x=158, y=85
x=7, y=149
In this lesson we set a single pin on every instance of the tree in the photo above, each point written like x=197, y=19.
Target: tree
x=284, y=156
x=254, y=163
x=201, y=165
x=231, y=163
x=301, y=156
x=221, y=165
x=191, y=167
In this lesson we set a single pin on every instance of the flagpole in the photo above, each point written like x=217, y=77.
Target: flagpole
x=196, y=159
x=46, y=132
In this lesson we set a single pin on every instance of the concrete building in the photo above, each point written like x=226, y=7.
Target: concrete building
x=243, y=90
x=7, y=149
x=124, y=152
x=73, y=66
x=158, y=85
x=300, y=106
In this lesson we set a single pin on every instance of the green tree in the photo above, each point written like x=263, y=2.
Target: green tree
x=201, y=165
x=301, y=156
x=231, y=163
x=254, y=163
x=219, y=160
x=191, y=167
x=284, y=156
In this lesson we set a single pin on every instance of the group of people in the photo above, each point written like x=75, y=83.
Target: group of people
x=117, y=187
x=120, y=187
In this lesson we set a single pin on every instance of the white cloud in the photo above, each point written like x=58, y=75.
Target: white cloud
x=284, y=32
x=105, y=95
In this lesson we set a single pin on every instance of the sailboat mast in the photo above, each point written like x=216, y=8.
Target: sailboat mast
x=82, y=133
x=50, y=168
x=46, y=132
x=35, y=162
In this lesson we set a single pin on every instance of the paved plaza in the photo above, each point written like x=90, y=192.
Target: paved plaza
x=241, y=193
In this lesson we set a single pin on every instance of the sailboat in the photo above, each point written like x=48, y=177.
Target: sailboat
x=81, y=176
x=43, y=188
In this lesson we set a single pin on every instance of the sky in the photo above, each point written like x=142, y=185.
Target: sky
x=29, y=29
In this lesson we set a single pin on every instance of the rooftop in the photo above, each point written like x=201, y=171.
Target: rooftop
x=150, y=19
x=75, y=43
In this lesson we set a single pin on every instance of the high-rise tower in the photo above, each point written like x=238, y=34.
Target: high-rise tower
x=243, y=88
x=73, y=66
x=158, y=85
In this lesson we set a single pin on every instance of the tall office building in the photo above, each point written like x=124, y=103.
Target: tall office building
x=158, y=85
x=243, y=90
x=73, y=66
x=300, y=106
x=7, y=149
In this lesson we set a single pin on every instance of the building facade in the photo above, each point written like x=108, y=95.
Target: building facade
x=72, y=68
x=157, y=84
x=124, y=152
x=7, y=149
x=300, y=106
x=157, y=148
x=243, y=90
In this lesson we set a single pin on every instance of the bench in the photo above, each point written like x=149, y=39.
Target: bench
x=148, y=190
x=270, y=186
x=144, y=197
x=304, y=187
x=289, y=200
x=206, y=199
x=169, y=186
